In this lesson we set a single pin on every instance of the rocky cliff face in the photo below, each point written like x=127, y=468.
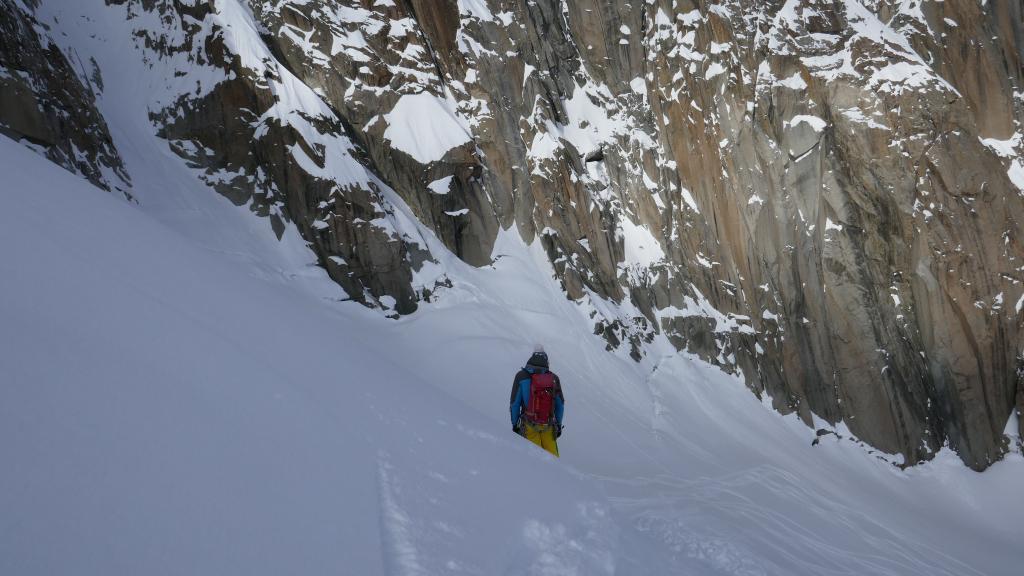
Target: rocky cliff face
x=824, y=195
x=47, y=99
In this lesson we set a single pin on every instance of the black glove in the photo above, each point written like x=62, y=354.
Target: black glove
x=558, y=431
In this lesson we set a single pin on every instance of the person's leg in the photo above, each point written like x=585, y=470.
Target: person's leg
x=533, y=434
x=543, y=436
x=548, y=441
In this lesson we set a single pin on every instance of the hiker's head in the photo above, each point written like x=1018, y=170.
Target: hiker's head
x=539, y=358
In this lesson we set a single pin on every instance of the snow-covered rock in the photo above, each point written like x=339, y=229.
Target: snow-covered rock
x=700, y=152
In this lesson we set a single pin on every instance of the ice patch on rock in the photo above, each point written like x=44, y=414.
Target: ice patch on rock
x=441, y=185
x=794, y=82
x=816, y=124
x=638, y=85
x=640, y=245
x=425, y=127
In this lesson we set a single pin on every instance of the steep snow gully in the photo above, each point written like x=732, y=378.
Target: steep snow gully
x=181, y=392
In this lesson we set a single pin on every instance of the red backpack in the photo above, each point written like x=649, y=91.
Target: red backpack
x=541, y=408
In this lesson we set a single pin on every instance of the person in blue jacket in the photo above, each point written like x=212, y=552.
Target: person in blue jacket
x=541, y=421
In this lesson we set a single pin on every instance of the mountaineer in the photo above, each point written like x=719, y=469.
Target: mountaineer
x=537, y=403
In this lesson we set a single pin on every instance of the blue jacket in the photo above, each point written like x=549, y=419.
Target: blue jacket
x=521, y=393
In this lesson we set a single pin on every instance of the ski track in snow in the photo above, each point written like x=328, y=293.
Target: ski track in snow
x=400, y=552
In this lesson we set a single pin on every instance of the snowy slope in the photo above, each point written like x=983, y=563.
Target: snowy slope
x=166, y=410
x=180, y=392
x=169, y=407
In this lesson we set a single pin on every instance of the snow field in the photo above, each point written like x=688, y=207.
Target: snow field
x=170, y=408
x=169, y=412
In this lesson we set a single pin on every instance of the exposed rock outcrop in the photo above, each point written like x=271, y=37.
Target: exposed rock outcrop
x=49, y=103
x=267, y=140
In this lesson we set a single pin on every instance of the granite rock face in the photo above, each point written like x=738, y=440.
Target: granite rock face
x=824, y=195
x=48, y=102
